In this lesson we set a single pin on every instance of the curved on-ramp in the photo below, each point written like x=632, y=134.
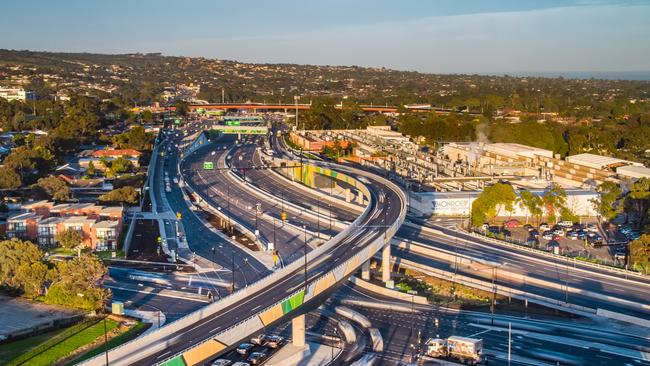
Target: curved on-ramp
x=220, y=326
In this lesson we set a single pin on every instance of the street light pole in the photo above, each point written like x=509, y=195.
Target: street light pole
x=304, y=227
x=330, y=214
x=105, y=341
x=229, y=224
x=232, y=256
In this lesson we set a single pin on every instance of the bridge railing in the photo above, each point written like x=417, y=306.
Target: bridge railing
x=359, y=258
x=151, y=342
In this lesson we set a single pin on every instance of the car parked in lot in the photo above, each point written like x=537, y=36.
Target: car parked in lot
x=620, y=253
x=244, y=348
x=592, y=227
x=547, y=235
x=573, y=235
x=544, y=227
x=256, y=358
x=241, y=364
x=565, y=223
x=558, y=232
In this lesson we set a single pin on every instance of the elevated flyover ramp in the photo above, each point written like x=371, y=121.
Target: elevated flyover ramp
x=287, y=293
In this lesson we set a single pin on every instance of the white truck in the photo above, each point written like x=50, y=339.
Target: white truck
x=469, y=351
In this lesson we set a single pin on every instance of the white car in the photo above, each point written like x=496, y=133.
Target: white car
x=222, y=362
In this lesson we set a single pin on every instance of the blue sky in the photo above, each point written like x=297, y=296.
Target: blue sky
x=431, y=36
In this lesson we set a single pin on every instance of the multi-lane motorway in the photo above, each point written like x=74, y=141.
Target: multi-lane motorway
x=368, y=230
x=576, y=283
x=221, y=189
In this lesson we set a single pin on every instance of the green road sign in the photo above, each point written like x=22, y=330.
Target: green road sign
x=208, y=165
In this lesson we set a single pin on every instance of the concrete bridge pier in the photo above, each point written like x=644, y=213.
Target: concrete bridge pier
x=348, y=195
x=365, y=271
x=298, y=331
x=385, y=262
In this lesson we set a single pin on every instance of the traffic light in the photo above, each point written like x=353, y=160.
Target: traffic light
x=284, y=216
x=178, y=215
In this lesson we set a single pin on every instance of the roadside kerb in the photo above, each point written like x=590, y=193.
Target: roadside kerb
x=152, y=342
x=521, y=295
x=461, y=259
x=499, y=289
x=536, y=251
x=388, y=292
x=378, y=243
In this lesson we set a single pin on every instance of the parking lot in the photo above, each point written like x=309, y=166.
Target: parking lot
x=586, y=240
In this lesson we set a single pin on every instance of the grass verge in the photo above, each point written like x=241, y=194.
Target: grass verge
x=130, y=334
x=46, y=349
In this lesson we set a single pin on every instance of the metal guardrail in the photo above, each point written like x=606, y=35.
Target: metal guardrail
x=292, y=267
x=627, y=272
x=153, y=339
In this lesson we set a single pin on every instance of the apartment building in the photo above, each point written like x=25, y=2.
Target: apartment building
x=99, y=226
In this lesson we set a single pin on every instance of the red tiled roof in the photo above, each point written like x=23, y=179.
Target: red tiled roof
x=116, y=152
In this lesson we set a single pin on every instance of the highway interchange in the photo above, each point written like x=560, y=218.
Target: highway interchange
x=220, y=188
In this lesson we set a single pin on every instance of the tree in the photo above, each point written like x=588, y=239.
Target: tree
x=33, y=276
x=607, y=203
x=532, y=204
x=491, y=201
x=69, y=238
x=78, y=284
x=136, y=138
x=90, y=171
x=9, y=179
x=55, y=187
x=182, y=108
x=121, y=165
x=15, y=254
x=554, y=200
x=126, y=195
x=640, y=252
x=637, y=201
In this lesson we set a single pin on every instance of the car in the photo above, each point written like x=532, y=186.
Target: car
x=244, y=348
x=241, y=364
x=222, y=362
x=595, y=241
x=582, y=235
x=557, y=237
x=529, y=227
x=547, y=235
x=494, y=229
x=531, y=242
x=260, y=339
x=275, y=341
x=578, y=227
x=620, y=253
x=565, y=223
x=592, y=227
x=573, y=235
x=256, y=358
x=512, y=223
x=558, y=232
x=544, y=227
